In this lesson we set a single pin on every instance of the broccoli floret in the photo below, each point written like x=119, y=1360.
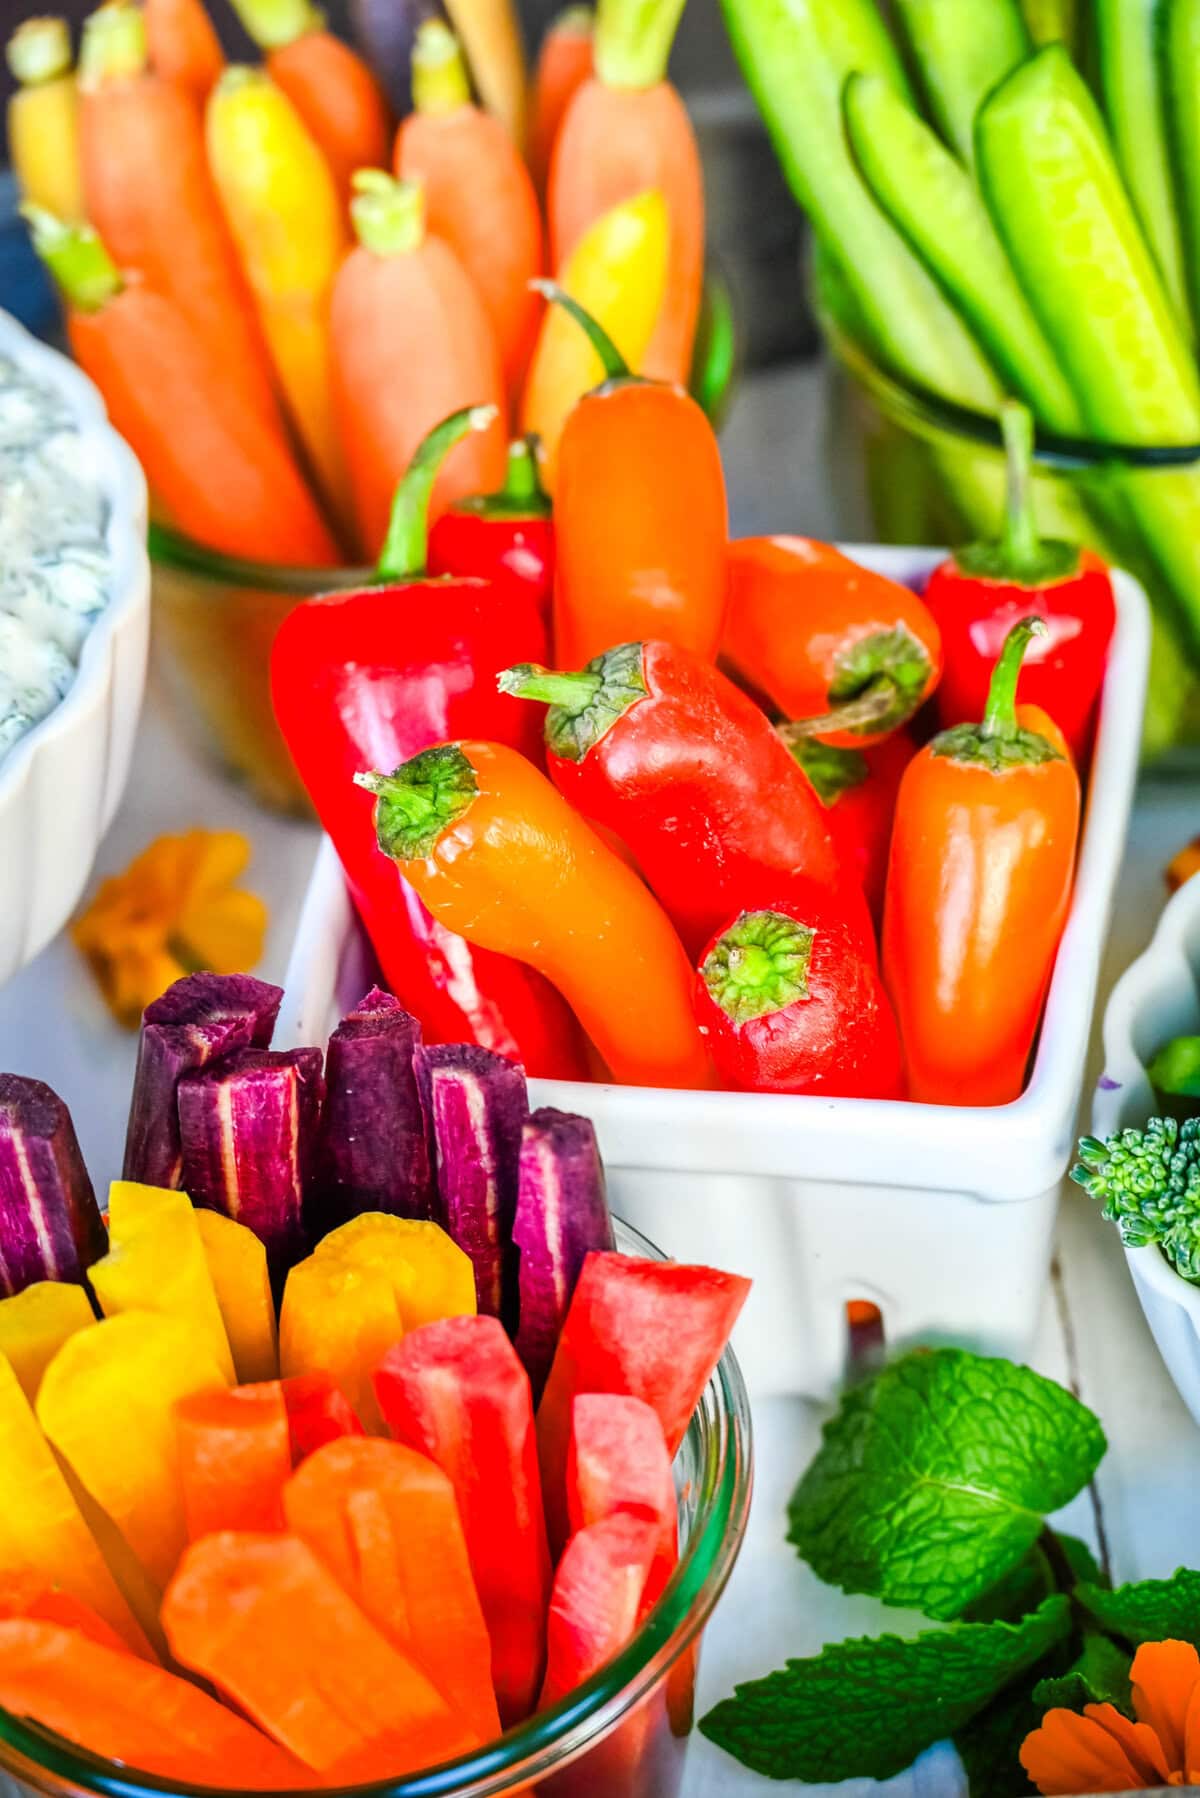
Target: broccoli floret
x=1149, y=1183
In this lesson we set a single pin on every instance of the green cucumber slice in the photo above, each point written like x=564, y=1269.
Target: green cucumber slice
x=935, y=205
x=1129, y=40
x=962, y=48
x=792, y=53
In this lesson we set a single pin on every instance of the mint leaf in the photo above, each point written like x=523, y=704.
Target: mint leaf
x=1024, y=1586
x=989, y=1746
x=869, y=1706
x=933, y=1479
x=1099, y=1676
x=1149, y=1610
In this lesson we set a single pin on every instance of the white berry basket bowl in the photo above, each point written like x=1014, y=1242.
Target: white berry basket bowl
x=1157, y=998
x=942, y=1218
x=61, y=782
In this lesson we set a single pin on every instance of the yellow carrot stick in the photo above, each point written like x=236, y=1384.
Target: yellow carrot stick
x=283, y=211
x=43, y=118
x=618, y=273
x=490, y=35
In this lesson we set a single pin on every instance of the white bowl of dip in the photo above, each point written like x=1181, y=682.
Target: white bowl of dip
x=74, y=631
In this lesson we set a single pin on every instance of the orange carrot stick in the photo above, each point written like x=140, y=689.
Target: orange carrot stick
x=411, y=344
x=328, y=83
x=29, y=1595
x=149, y=195
x=564, y=64
x=479, y=197
x=267, y=1623
x=129, y=1710
x=385, y=1521
x=183, y=46
x=625, y=131
x=235, y=1457
x=218, y=469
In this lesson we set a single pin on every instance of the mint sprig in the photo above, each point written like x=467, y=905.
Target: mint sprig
x=868, y=1707
x=1150, y=1610
x=934, y=1478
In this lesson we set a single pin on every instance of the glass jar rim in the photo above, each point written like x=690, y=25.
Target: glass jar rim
x=927, y=411
x=545, y=1742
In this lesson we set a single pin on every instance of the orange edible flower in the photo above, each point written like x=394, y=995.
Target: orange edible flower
x=1102, y=1751
x=1181, y=867
x=174, y=911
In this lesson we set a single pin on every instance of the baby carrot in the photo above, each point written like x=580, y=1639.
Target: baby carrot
x=217, y=469
x=283, y=210
x=627, y=130
x=479, y=197
x=183, y=46
x=490, y=35
x=327, y=82
x=499, y=856
x=43, y=118
x=392, y=384
x=149, y=194
x=564, y=64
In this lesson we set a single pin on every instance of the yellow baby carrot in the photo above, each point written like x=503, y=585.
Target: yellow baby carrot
x=285, y=217
x=43, y=118
x=618, y=273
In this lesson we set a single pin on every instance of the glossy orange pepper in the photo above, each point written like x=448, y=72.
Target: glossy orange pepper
x=498, y=855
x=828, y=641
x=979, y=881
x=640, y=512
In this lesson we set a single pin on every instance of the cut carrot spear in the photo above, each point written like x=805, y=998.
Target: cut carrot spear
x=625, y=131
x=318, y=1412
x=597, y=1599
x=392, y=386
x=131, y=1711
x=340, y=1318
x=237, y=1263
x=267, y=1623
x=218, y=469
x=327, y=82
x=43, y=117
x=564, y=64
x=479, y=197
x=283, y=209
x=184, y=47
x=385, y=1521
x=150, y=197
x=430, y=1275
x=25, y=1594
x=235, y=1457
x=35, y=1323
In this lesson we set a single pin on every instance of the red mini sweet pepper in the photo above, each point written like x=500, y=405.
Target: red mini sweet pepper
x=858, y=788
x=368, y=678
x=657, y=745
x=506, y=538
x=982, y=591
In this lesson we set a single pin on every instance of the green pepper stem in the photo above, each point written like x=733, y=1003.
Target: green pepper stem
x=274, y=24
x=39, y=50
x=440, y=82
x=615, y=366
x=872, y=706
x=633, y=41
x=522, y=482
x=1000, y=715
x=81, y=267
x=114, y=44
x=1022, y=546
x=388, y=215
x=573, y=692
x=420, y=799
x=405, y=547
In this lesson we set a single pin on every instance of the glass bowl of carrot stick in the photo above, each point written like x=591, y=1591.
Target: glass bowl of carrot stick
x=625, y=1731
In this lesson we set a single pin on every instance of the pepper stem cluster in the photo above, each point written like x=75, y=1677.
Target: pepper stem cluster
x=420, y=799
x=759, y=965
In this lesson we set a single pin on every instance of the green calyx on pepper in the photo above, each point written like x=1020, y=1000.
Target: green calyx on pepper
x=831, y=772
x=522, y=495
x=879, y=683
x=999, y=742
x=1019, y=557
x=420, y=799
x=759, y=965
x=583, y=705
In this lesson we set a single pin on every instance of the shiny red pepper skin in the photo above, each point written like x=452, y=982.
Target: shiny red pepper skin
x=506, y=538
x=364, y=680
x=858, y=788
x=835, y=1036
x=689, y=773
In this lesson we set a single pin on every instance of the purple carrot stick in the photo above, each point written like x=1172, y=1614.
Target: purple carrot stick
x=476, y=1103
x=198, y=1019
x=562, y=1215
x=248, y=1127
x=50, y=1224
x=372, y=1150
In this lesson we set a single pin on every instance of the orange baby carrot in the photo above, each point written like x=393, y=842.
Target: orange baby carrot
x=625, y=131
x=479, y=197
x=411, y=345
x=327, y=82
x=149, y=195
x=28, y=1595
x=235, y=1457
x=215, y=466
x=564, y=64
x=183, y=46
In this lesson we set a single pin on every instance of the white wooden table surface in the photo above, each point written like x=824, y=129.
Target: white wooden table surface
x=53, y=1026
